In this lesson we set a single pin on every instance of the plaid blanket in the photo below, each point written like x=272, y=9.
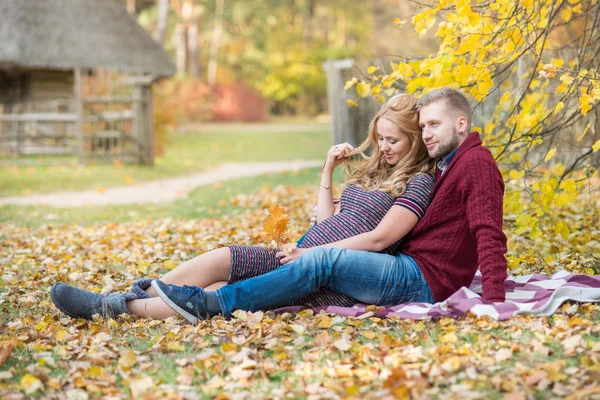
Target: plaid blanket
x=529, y=294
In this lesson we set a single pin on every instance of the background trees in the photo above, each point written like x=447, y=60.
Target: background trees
x=275, y=47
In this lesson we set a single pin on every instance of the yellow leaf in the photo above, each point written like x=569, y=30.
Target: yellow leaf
x=175, y=346
x=535, y=233
x=351, y=103
x=550, y=154
x=376, y=90
x=566, y=14
x=513, y=174
x=585, y=103
x=363, y=89
x=60, y=335
x=372, y=69
x=229, y=347
x=505, y=97
x=127, y=360
x=94, y=372
x=169, y=264
x=559, y=106
x=30, y=384
x=324, y=323
x=449, y=338
x=596, y=146
x=350, y=83
x=101, y=190
x=369, y=335
x=585, y=131
x=569, y=186
x=276, y=224
x=128, y=181
x=399, y=22
x=562, y=229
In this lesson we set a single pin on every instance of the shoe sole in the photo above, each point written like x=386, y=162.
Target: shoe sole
x=191, y=318
x=59, y=306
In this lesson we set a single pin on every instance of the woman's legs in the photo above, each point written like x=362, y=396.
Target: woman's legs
x=209, y=271
x=203, y=271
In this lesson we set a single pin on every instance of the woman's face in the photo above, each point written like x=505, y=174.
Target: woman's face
x=391, y=141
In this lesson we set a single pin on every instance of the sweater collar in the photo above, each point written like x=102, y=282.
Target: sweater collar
x=473, y=140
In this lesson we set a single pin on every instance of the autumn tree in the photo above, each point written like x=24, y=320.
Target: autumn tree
x=532, y=68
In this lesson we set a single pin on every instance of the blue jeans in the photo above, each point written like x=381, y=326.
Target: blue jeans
x=371, y=278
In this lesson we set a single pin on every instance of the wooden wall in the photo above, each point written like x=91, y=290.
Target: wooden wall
x=36, y=91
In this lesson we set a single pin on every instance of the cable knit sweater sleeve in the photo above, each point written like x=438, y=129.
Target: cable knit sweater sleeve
x=484, y=189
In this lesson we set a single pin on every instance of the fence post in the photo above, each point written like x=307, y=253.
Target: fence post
x=348, y=124
x=79, y=113
x=142, y=121
x=336, y=96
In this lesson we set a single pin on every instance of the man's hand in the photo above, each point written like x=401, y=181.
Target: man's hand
x=313, y=217
x=291, y=256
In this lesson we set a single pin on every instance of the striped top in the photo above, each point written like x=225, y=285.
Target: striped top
x=361, y=211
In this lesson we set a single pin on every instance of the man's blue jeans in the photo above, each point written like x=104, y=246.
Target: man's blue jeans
x=372, y=278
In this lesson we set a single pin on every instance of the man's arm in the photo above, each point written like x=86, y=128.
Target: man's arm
x=485, y=193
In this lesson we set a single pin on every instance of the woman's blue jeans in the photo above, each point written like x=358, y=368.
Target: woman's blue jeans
x=371, y=278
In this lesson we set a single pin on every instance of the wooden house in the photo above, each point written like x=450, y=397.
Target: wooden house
x=47, y=47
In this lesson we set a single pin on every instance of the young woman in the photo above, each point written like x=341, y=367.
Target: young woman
x=397, y=177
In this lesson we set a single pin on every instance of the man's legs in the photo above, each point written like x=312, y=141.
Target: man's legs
x=372, y=278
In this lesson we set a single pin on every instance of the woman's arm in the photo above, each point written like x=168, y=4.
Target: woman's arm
x=407, y=210
x=335, y=156
x=394, y=226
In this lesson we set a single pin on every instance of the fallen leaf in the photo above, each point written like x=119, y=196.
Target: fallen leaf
x=6, y=349
x=30, y=384
x=140, y=386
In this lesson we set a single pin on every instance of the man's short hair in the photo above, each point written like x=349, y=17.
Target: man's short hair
x=456, y=101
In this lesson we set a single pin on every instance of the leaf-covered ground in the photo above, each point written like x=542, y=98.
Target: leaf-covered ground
x=266, y=355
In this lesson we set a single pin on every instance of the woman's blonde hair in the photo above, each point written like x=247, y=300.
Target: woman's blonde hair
x=373, y=172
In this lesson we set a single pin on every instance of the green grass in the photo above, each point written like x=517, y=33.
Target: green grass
x=185, y=153
x=203, y=202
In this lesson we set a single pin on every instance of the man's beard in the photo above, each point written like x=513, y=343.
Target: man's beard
x=445, y=149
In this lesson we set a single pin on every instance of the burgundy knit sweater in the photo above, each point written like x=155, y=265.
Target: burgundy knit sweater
x=462, y=228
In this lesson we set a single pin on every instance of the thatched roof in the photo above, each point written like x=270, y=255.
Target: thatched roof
x=64, y=34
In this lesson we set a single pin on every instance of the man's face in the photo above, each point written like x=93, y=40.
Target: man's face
x=440, y=129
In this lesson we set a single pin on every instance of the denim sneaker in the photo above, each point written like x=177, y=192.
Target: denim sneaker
x=78, y=303
x=187, y=301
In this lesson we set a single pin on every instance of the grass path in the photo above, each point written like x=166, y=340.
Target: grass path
x=195, y=150
x=160, y=191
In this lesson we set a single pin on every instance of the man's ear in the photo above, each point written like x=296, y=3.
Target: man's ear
x=462, y=125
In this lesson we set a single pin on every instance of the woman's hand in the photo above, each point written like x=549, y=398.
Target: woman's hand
x=337, y=154
x=292, y=256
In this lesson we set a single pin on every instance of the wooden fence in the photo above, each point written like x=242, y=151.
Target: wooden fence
x=95, y=128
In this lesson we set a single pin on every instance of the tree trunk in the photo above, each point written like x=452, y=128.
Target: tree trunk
x=308, y=18
x=380, y=25
x=193, y=50
x=161, y=25
x=181, y=46
x=214, y=43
